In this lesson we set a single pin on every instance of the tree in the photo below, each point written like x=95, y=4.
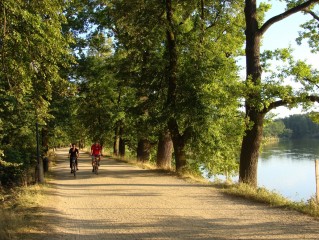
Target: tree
x=189, y=90
x=181, y=64
x=201, y=72
x=261, y=96
x=32, y=51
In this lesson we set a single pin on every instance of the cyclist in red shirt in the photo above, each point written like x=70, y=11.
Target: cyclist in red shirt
x=96, y=152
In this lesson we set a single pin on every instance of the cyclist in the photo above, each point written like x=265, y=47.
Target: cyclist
x=96, y=152
x=74, y=153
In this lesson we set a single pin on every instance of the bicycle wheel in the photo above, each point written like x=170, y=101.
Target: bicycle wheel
x=96, y=168
x=74, y=168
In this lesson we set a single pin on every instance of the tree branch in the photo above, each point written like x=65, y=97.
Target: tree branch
x=279, y=103
x=277, y=18
x=315, y=16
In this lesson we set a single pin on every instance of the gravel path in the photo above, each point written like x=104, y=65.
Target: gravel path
x=126, y=202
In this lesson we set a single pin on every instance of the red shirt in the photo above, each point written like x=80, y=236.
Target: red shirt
x=96, y=149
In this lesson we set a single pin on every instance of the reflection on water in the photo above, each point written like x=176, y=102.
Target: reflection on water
x=288, y=167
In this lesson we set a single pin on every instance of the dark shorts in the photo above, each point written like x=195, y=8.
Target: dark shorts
x=76, y=161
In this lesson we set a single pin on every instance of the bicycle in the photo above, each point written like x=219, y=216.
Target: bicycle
x=95, y=165
x=73, y=169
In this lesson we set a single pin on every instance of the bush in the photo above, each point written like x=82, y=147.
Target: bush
x=16, y=166
x=14, y=174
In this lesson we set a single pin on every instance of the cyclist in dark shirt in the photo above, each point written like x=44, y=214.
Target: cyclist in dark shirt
x=74, y=153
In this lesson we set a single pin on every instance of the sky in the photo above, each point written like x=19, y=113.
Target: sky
x=281, y=35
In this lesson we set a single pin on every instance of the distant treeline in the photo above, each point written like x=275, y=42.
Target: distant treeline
x=295, y=126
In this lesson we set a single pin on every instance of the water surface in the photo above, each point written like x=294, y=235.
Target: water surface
x=288, y=167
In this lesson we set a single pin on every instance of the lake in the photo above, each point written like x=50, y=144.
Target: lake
x=288, y=168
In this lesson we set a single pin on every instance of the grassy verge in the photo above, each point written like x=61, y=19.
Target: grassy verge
x=310, y=207
x=18, y=205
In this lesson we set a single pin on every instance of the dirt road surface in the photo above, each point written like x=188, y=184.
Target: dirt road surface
x=126, y=202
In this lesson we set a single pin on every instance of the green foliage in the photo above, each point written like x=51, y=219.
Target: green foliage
x=206, y=74
x=32, y=52
x=295, y=126
x=262, y=9
x=310, y=34
x=275, y=129
x=119, y=78
x=11, y=173
x=302, y=126
x=97, y=100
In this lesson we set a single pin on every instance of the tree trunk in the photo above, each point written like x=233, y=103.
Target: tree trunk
x=172, y=50
x=180, y=154
x=250, y=150
x=253, y=134
x=121, y=143
x=177, y=138
x=45, y=141
x=116, y=142
x=179, y=146
x=164, y=151
x=143, y=150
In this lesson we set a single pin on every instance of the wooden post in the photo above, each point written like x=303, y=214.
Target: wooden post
x=317, y=180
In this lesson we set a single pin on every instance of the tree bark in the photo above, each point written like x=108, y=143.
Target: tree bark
x=164, y=151
x=45, y=141
x=143, y=150
x=116, y=142
x=250, y=150
x=179, y=146
x=121, y=143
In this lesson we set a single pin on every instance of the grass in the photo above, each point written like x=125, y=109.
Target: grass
x=17, y=207
x=310, y=207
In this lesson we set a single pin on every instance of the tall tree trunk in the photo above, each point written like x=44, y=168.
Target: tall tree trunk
x=164, y=151
x=177, y=138
x=253, y=134
x=143, y=150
